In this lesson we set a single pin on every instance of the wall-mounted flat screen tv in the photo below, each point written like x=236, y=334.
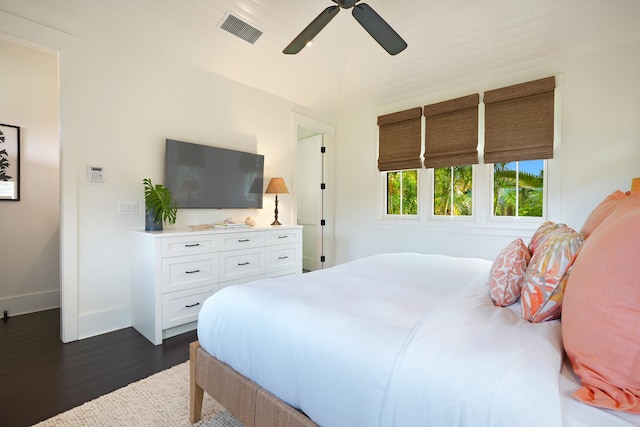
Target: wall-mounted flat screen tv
x=202, y=176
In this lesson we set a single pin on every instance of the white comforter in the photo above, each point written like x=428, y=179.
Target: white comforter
x=390, y=340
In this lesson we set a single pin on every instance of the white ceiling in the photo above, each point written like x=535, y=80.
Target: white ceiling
x=451, y=43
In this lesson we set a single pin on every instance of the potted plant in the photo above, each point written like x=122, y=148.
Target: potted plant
x=159, y=204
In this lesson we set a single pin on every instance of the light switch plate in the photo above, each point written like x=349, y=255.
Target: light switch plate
x=127, y=208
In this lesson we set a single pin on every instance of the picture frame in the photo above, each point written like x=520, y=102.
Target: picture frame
x=9, y=162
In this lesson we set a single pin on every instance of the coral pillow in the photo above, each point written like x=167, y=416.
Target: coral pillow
x=601, y=313
x=543, y=233
x=507, y=272
x=546, y=277
x=601, y=212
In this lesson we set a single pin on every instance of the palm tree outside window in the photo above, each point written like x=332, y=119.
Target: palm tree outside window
x=453, y=191
x=402, y=192
x=518, y=189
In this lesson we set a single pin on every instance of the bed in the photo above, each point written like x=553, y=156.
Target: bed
x=405, y=339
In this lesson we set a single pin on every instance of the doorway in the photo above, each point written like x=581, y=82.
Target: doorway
x=314, y=201
x=31, y=224
x=311, y=199
x=65, y=47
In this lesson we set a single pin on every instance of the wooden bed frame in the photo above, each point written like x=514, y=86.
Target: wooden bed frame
x=251, y=404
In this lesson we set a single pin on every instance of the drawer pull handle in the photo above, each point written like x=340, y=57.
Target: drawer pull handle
x=192, y=305
x=192, y=271
x=282, y=237
x=243, y=240
x=243, y=263
x=283, y=257
x=191, y=245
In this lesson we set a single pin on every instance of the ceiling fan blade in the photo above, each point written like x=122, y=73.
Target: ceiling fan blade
x=311, y=30
x=379, y=29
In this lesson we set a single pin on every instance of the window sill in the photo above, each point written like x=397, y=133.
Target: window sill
x=455, y=226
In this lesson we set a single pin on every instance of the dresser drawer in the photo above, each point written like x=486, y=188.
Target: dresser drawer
x=234, y=241
x=183, y=307
x=282, y=257
x=191, y=245
x=283, y=237
x=243, y=263
x=186, y=272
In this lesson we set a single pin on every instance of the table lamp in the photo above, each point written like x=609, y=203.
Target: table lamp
x=276, y=186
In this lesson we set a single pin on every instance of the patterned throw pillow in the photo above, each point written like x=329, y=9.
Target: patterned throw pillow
x=601, y=313
x=544, y=233
x=507, y=272
x=547, y=274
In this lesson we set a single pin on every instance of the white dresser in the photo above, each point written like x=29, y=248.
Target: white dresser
x=174, y=271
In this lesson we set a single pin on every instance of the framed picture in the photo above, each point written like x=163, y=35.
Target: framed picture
x=9, y=162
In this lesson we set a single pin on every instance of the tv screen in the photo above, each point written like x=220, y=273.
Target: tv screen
x=201, y=176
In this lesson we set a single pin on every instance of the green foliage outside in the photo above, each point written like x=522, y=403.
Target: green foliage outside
x=517, y=193
x=402, y=192
x=452, y=191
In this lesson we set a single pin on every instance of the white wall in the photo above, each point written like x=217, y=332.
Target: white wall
x=121, y=98
x=133, y=109
x=30, y=258
x=599, y=152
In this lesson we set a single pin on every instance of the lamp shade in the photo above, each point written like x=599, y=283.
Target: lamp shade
x=635, y=184
x=277, y=186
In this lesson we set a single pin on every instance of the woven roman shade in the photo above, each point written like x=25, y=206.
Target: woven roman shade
x=519, y=122
x=399, y=142
x=451, y=132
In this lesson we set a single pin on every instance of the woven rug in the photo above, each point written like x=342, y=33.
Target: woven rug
x=159, y=400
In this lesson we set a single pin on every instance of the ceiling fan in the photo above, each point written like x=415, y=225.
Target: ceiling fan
x=364, y=14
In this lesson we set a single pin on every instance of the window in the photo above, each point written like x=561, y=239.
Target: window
x=518, y=189
x=452, y=191
x=399, y=149
x=402, y=192
x=518, y=130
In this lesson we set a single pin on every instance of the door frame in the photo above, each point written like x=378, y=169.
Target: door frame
x=64, y=45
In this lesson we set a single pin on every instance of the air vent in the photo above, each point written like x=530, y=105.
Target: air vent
x=238, y=27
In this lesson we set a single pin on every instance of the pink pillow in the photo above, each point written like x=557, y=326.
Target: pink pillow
x=601, y=313
x=543, y=233
x=547, y=274
x=601, y=211
x=507, y=272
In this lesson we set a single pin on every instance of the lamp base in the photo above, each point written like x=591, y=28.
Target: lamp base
x=276, y=222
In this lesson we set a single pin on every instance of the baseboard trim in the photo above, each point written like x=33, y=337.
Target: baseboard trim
x=101, y=322
x=30, y=303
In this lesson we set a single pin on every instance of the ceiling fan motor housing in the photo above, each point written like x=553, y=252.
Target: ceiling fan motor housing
x=346, y=4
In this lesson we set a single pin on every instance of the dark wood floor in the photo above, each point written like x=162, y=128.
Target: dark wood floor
x=41, y=377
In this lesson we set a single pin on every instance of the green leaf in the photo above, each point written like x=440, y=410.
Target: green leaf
x=159, y=202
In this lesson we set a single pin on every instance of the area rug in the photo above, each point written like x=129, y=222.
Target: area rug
x=159, y=400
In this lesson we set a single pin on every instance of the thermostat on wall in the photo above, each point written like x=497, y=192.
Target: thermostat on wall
x=96, y=174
